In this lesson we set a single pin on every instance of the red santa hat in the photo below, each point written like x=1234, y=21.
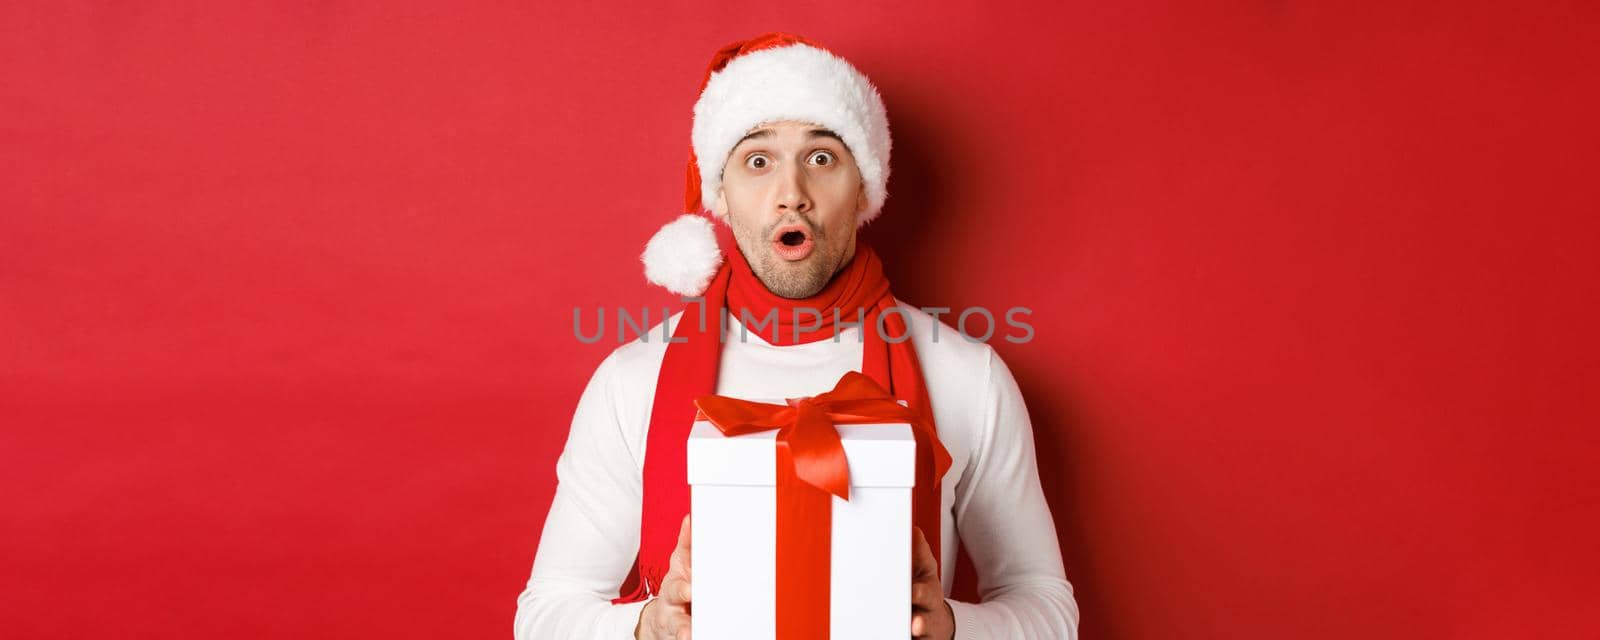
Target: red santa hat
x=769, y=78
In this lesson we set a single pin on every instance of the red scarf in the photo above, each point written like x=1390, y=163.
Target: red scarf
x=689, y=370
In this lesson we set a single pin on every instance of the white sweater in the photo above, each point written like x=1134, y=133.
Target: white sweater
x=992, y=497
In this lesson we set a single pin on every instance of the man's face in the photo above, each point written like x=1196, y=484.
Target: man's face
x=791, y=192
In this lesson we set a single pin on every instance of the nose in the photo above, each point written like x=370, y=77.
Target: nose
x=793, y=196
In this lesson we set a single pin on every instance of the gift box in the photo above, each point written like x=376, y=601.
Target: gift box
x=742, y=543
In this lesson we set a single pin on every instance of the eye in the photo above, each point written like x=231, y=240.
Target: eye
x=822, y=158
x=757, y=161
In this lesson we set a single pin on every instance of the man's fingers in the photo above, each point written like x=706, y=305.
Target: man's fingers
x=678, y=564
x=668, y=621
x=680, y=560
x=926, y=590
x=675, y=625
x=675, y=590
x=922, y=563
x=683, y=628
x=675, y=593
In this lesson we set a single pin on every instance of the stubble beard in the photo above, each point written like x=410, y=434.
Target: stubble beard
x=792, y=280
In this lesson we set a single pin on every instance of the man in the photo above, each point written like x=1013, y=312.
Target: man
x=791, y=150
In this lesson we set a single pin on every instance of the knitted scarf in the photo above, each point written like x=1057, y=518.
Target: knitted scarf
x=859, y=293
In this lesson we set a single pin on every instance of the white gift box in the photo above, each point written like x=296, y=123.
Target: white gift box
x=733, y=501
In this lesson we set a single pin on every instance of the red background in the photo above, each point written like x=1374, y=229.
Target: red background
x=286, y=297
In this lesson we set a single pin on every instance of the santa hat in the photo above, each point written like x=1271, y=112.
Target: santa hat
x=772, y=77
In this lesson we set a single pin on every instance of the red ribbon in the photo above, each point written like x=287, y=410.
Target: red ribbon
x=811, y=468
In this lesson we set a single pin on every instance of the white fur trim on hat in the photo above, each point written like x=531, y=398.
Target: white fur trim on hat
x=683, y=255
x=794, y=82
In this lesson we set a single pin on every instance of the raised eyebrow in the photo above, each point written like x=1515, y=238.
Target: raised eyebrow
x=758, y=133
x=814, y=133
x=827, y=133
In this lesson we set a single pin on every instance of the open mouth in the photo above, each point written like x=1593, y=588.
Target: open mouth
x=792, y=242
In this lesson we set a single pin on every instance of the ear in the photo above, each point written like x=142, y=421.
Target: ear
x=720, y=207
x=861, y=201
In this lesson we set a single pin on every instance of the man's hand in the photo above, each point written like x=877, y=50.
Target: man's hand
x=666, y=617
x=931, y=617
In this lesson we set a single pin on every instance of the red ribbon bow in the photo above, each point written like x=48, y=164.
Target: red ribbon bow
x=811, y=466
x=806, y=426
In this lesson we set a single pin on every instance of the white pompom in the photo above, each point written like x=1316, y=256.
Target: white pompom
x=683, y=256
